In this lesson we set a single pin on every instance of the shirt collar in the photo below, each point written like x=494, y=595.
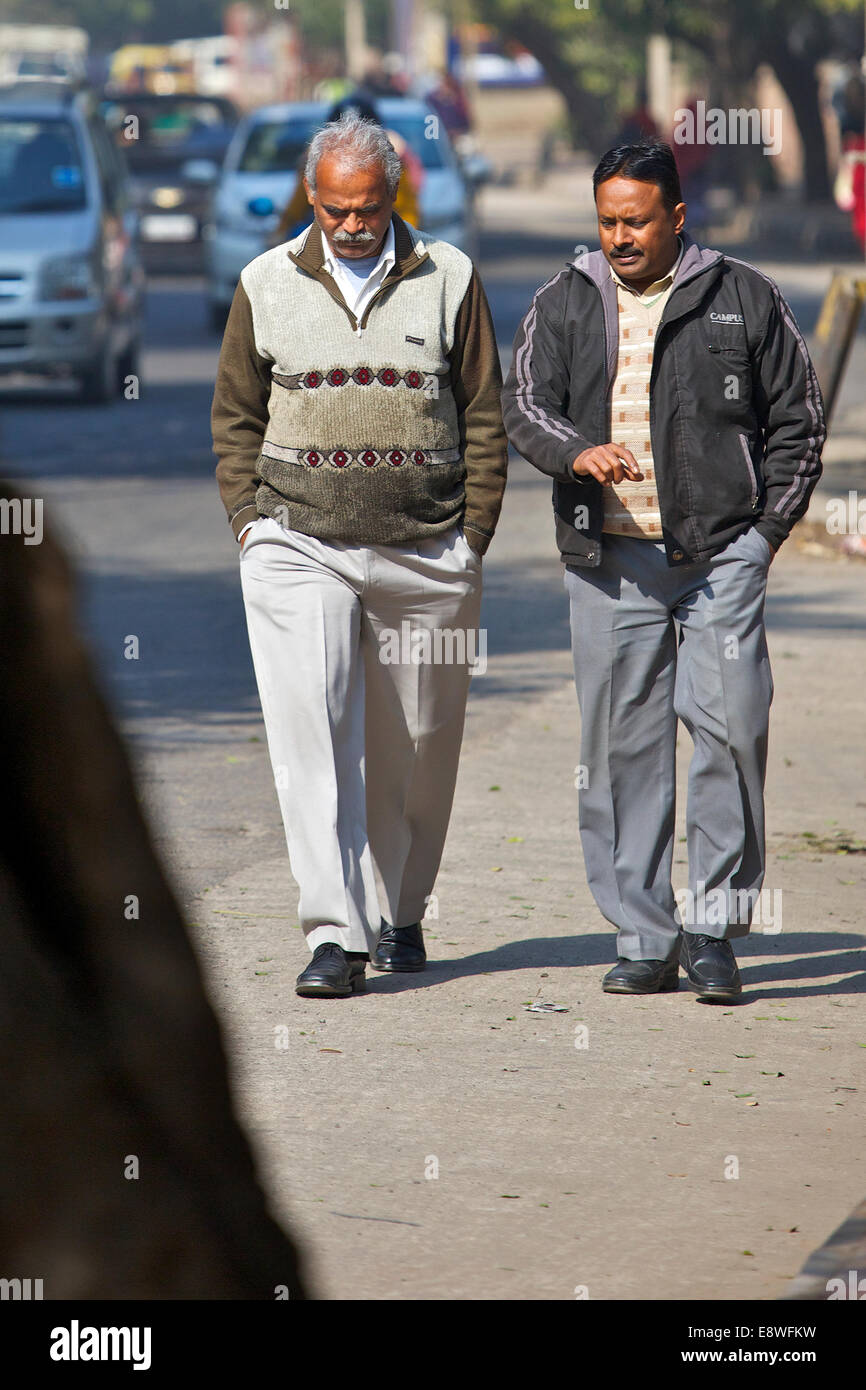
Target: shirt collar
x=386, y=259
x=657, y=286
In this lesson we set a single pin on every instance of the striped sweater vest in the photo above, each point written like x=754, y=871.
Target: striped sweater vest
x=632, y=508
x=363, y=434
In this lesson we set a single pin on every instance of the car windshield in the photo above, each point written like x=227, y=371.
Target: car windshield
x=278, y=147
x=40, y=166
x=418, y=132
x=151, y=134
x=43, y=67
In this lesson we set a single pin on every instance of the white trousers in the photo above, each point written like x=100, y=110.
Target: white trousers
x=357, y=653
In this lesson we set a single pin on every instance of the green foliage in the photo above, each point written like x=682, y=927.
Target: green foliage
x=612, y=26
x=111, y=23
x=321, y=23
x=594, y=56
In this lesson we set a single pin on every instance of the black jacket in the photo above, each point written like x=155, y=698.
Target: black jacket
x=736, y=417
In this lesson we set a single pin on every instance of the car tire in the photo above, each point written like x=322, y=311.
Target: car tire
x=98, y=383
x=128, y=364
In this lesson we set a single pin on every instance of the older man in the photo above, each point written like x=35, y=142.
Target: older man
x=667, y=390
x=362, y=460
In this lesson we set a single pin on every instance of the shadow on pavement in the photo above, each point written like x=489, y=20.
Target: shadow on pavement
x=598, y=948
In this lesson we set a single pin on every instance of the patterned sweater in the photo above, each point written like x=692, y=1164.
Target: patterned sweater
x=378, y=437
x=632, y=508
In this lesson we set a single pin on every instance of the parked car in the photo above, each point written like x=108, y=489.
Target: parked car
x=491, y=68
x=261, y=169
x=71, y=283
x=174, y=147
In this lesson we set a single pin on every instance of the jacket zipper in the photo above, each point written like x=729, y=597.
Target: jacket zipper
x=327, y=283
x=385, y=285
x=661, y=326
x=744, y=445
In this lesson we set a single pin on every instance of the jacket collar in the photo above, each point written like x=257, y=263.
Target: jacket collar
x=383, y=262
x=694, y=261
x=409, y=250
x=662, y=280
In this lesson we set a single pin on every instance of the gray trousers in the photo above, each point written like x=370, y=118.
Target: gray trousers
x=364, y=706
x=635, y=677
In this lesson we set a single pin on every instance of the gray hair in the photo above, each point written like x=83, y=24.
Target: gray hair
x=357, y=142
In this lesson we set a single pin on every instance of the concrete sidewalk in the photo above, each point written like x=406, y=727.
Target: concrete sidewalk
x=671, y=1150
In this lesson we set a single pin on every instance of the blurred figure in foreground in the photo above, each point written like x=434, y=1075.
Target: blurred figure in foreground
x=124, y=1173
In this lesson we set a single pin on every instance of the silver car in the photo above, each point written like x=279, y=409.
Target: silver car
x=71, y=284
x=261, y=169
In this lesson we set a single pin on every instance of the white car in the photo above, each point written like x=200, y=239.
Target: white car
x=260, y=171
x=71, y=281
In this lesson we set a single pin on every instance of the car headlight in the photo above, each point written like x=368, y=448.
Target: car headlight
x=67, y=277
x=167, y=197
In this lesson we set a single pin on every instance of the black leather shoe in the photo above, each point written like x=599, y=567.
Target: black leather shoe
x=400, y=948
x=333, y=972
x=711, y=967
x=642, y=977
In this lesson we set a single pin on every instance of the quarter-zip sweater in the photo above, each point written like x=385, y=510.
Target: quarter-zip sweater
x=381, y=431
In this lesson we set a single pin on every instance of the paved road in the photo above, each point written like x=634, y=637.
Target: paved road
x=559, y=1167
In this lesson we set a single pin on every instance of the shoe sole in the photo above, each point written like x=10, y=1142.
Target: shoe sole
x=399, y=969
x=719, y=995
x=323, y=991
x=669, y=987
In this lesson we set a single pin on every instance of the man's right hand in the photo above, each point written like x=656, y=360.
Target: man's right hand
x=608, y=463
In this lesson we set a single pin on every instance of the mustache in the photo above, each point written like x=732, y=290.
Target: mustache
x=354, y=238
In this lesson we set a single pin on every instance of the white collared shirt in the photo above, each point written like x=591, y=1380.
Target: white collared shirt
x=356, y=295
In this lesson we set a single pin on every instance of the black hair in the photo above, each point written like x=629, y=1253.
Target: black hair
x=650, y=161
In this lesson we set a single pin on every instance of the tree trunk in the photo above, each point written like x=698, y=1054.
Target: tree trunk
x=800, y=82
x=589, y=120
